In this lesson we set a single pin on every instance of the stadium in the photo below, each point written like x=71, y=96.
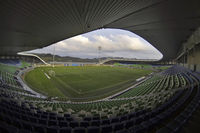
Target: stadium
x=48, y=93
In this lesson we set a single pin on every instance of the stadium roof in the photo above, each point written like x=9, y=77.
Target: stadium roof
x=30, y=24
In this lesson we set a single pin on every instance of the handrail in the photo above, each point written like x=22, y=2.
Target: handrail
x=27, y=54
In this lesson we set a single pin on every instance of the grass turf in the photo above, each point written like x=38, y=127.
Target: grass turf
x=12, y=68
x=8, y=68
x=82, y=83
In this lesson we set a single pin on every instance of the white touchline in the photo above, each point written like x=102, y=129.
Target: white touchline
x=47, y=76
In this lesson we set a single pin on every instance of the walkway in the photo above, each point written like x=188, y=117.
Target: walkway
x=26, y=87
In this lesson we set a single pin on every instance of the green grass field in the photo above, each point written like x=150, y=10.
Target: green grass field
x=12, y=68
x=85, y=83
x=24, y=64
x=8, y=68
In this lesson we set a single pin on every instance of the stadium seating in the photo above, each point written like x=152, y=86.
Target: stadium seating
x=10, y=61
x=164, y=103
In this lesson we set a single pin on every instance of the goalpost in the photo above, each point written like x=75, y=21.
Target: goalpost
x=51, y=72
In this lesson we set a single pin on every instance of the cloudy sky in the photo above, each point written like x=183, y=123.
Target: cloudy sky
x=113, y=43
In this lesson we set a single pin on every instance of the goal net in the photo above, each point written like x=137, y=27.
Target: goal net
x=52, y=73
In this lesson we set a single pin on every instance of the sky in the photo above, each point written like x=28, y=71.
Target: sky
x=113, y=43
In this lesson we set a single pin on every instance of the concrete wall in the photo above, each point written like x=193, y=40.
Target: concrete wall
x=193, y=58
x=190, y=52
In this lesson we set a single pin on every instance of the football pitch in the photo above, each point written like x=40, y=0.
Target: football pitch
x=82, y=83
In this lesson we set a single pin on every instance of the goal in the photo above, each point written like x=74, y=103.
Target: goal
x=52, y=73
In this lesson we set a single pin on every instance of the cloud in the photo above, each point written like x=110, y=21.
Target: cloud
x=113, y=45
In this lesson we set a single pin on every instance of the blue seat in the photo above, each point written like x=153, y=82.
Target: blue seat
x=181, y=119
x=93, y=129
x=17, y=123
x=73, y=124
x=129, y=124
x=84, y=124
x=52, y=117
x=175, y=126
x=42, y=121
x=164, y=130
x=115, y=120
x=33, y=119
x=96, y=118
x=67, y=115
x=123, y=131
x=118, y=126
x=147, y=125
x=3, y=128
x=132, y=115
x=95, y=123
x=69, y=119
x=106, y=129
x=39, y=128
x=139, y=129
x=65, y=130
x=52, y=123
x=87, y=119
x=63, y=124
x=105, y=122
x=79, y=130
x=123, y=118
x=60, y=118
x=27, y=126
x=52, y=129
x=138, y=120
